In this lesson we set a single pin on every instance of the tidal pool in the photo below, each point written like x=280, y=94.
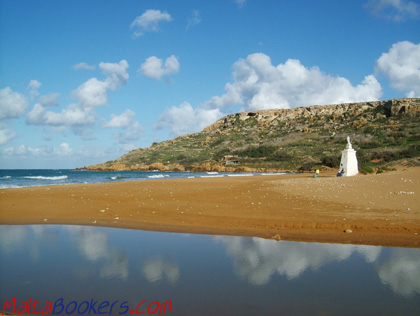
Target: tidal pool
x=78, y=268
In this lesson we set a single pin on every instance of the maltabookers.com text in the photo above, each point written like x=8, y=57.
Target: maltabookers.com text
x=92, y=307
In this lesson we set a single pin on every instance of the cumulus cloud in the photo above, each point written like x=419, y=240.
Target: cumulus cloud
x=120, y=121
x=12, y=104
x=395, y=10
x=132, y=130
x=149, y=21
x=261, y=85
x=194, y=19
x=62, y=150
x=93, y=92
x=185, y=119
x=153, y=67
x=258, y=84
x=401, y=65
x=6, y=134
x=83, y=66
x=33, y=87
x=72, y=115
x=50, y=99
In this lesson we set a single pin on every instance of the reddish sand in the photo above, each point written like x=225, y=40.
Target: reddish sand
x=379, y=209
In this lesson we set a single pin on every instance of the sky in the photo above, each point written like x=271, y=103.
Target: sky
x=84, y=82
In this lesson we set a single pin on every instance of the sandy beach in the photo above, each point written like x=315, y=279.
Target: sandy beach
x=382, y=209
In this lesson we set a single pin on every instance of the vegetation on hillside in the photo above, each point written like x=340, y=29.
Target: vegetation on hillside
x=380, y=134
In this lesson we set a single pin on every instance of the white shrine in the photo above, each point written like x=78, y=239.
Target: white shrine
x=348, y=165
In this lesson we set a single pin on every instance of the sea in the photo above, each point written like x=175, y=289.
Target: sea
x=18, y=178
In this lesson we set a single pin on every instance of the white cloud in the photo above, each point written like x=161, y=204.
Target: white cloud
x=72, y=116
x=132, y=130
x=194, y=19
x=6, y=134
x=83, y=66
x=258, y=84
x=94, y=92
x=149, y=21
x=63, y=150
x=185, y=119
x=240, y=3
x=117, y=74
x=50, y=99
x=33, y=87
x=261, y=85
x=401, y=65
x=120, y=121
x=395, y=10
x=12, y=104
x=153, y=67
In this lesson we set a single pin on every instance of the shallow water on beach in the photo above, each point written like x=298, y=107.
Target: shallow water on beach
x=79, y=268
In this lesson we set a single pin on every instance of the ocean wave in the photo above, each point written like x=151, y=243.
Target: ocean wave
x=213, y=176
x=6, y=177
x=240, y=175
x=159, y=176
x=116, y=177
x=8, y=186
x=46, y=178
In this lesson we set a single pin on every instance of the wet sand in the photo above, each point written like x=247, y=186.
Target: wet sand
x=381, y=209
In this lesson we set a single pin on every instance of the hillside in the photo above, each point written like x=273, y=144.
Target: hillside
x=382, y=132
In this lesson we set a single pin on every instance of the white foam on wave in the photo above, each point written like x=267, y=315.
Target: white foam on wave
x=213, y=176
x=212, y=172
x=46, y=178
x=240, y=175
x=6, y=177
x=8, y=186
x=159, y=176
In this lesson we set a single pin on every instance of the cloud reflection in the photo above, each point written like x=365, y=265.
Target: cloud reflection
x=401, y=271
x=94, y=246
x=259, y=259
x=12, y=237
x=155, y=269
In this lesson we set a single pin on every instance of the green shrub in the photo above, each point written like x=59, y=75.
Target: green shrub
x=366, y=170
x=331, y=161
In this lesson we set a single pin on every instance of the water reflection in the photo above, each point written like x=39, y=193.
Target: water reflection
x=156, y=269
x=94, y=246
x=258, y=259
x=401, y=271
x=196, y=271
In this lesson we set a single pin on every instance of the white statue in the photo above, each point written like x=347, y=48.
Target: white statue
x=349, y=165
x=348, y=142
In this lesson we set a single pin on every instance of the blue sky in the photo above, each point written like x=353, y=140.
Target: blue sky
x=83, y=82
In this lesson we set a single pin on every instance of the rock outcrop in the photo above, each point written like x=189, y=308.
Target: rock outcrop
x=274, y=117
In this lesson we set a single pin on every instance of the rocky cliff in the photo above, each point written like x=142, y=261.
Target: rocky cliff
x=288, y=139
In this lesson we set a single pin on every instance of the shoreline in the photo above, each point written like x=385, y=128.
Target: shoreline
x=382, y=209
